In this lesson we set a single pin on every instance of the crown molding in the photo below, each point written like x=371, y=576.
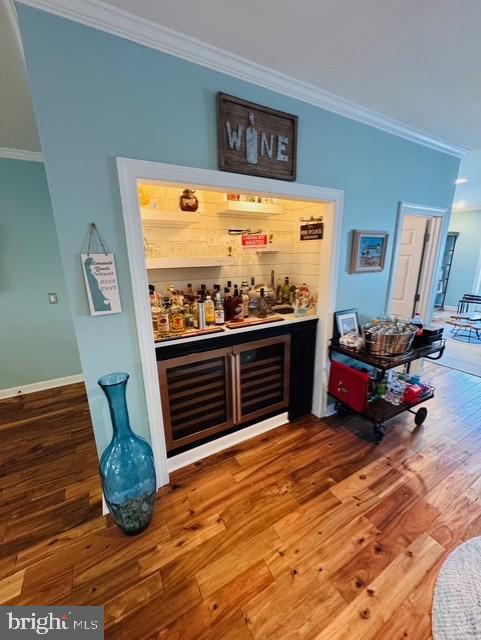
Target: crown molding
x=99, y=15
x=20, y=154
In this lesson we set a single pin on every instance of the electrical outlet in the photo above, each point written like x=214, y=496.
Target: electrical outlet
x=52, y=298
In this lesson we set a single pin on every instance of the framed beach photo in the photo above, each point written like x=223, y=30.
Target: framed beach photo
x=368, y=251
x=345, y=321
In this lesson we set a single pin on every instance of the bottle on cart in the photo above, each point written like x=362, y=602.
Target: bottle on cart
x=209, y=310
x=262, y=306
x=227, y=305
x=237, y=314
x=418, y=321
x=219, y=310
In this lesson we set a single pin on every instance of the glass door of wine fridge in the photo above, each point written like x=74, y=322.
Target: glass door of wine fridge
x=262, y=377
x=197, y=396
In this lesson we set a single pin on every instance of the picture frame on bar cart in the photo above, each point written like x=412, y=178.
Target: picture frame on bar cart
x=345, y=321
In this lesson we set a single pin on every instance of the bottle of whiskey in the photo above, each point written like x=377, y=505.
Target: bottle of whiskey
x=219, y=310
x=237, y=313
x=227, y=305
x=262, y=306
x=176, y=318
x=209, y=310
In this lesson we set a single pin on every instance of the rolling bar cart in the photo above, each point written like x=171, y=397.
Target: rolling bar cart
x=379, y=411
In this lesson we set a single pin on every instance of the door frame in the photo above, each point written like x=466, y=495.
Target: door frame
x=131, y=170
x=433, y=255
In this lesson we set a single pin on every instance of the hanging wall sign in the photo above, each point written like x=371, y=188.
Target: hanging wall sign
x=256, y=140
x=254, y=240
x=101, y=283
x=312, y=230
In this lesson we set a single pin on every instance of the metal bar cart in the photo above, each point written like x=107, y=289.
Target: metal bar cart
x=380, y=411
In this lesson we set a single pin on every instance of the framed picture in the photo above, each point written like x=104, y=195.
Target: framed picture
x=368, y=251
x=345, y=321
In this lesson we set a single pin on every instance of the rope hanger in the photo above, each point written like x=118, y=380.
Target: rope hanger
x=94, y=234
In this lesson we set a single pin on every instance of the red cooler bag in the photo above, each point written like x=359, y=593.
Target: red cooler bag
x=349, y=386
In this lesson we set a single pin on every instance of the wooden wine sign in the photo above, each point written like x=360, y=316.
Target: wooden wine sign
x=256, y=140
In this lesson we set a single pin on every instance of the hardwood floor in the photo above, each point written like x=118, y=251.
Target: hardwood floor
x=308, y=531
x=48, y=467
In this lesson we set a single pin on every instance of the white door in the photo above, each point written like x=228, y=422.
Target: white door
x=409, y=265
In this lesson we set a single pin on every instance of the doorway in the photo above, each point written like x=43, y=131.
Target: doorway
x=415, y=261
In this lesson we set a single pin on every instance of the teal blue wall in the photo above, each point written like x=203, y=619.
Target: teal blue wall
x=97, y=96
x=466, y=255
x=37, y=339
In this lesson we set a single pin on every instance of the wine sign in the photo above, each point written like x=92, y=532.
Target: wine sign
x=256, y=140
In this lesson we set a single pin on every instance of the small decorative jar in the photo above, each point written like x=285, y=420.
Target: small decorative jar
x=127, y=466
x=188, y=201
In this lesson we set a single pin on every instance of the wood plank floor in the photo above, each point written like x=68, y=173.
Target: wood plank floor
x=48, y=467
x=310, y=531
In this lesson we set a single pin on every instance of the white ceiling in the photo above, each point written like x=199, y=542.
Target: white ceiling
x=414, y=61
x=18, y=129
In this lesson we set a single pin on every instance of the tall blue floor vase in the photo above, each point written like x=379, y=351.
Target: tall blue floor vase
x=127, y=465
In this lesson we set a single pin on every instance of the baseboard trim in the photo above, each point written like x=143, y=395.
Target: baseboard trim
x=40, y=386
x=205, y=450
x=20, y=154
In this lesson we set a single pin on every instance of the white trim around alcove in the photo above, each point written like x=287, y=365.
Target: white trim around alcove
x=129, y=171
x=124, y=24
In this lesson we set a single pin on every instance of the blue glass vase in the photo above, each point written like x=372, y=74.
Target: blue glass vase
x=127, y=465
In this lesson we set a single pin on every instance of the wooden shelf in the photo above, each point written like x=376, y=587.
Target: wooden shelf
x=156, y=217
x=237, y=208
x=185, y=263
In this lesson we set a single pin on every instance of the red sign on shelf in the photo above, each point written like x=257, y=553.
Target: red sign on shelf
x=254, y=240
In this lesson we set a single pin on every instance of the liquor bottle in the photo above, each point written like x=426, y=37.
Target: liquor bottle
x=219, y=310
x=237, y=312
x=262, y=306
x=201, y=306
x=245, y=299
x=164, y=323
x=209, y=310
x=176, y=318
x=227, y=304
x=189, y=294
x=252, y=293
x=195, y=313
x=286, y=292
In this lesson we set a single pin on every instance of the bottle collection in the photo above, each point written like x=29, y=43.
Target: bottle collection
x=176, y=312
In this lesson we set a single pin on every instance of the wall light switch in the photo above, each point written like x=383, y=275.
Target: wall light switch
x=52, y=298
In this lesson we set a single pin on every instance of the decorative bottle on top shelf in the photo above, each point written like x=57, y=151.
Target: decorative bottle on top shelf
x=262, y=306
x=127, y=465
x=237, y=313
